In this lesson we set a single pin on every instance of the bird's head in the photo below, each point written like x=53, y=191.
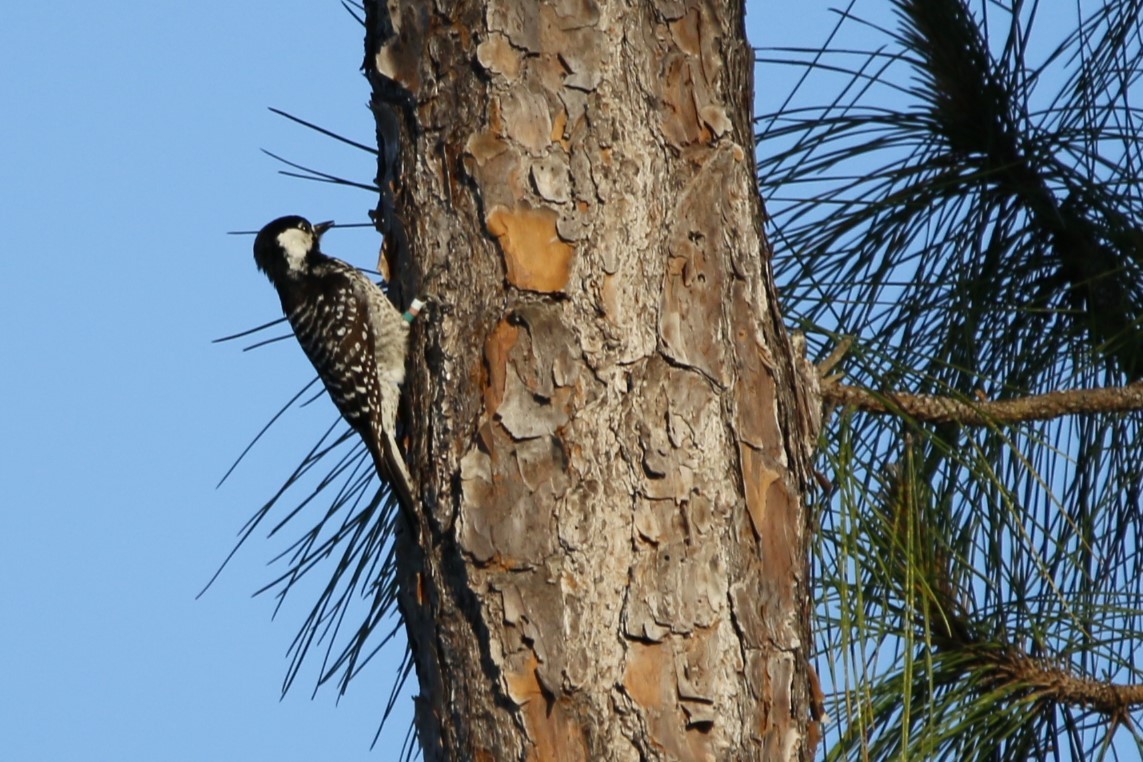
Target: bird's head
x=285, y=246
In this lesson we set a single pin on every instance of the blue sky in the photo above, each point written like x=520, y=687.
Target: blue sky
x=131, y=145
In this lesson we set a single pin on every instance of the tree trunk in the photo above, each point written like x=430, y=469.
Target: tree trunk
x=606, y=422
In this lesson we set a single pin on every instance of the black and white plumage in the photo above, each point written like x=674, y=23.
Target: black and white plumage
x=350, y=331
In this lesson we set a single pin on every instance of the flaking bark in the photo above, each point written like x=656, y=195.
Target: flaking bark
x=604, y=405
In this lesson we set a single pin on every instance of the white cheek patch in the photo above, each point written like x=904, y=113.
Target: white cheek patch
x=296, y=243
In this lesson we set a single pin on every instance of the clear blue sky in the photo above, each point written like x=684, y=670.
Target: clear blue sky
x=131, y=145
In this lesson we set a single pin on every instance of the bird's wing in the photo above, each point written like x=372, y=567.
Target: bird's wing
x=335, y=331
x=343, y=330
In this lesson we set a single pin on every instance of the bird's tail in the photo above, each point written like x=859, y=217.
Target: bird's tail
x=392, y=470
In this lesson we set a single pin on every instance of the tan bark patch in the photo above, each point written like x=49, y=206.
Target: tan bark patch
x=694, y=290
x=522, y=683
x=555, y=733
x=651, y=681
x=497, y=55
x=781, y=546
x=551, y=179
x=484, y=146
x=527, y=119
x=759, y=483
x=534, y=255
x=681, y=122
x=496, y=166
x=756, y=418
x=558, y=737
x=559, y=124
x=496, y=350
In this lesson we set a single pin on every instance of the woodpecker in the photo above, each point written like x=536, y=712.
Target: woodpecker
x=350, y=331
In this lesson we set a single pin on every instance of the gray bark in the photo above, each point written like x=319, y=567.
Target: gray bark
x=608, y=425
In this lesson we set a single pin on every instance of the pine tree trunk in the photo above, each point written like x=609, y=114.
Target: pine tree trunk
x=611, y=562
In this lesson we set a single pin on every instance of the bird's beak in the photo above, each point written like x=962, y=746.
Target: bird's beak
x=321, y=227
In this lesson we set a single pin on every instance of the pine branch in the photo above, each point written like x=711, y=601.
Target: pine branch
x=934, y=409
x=1048, y=680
